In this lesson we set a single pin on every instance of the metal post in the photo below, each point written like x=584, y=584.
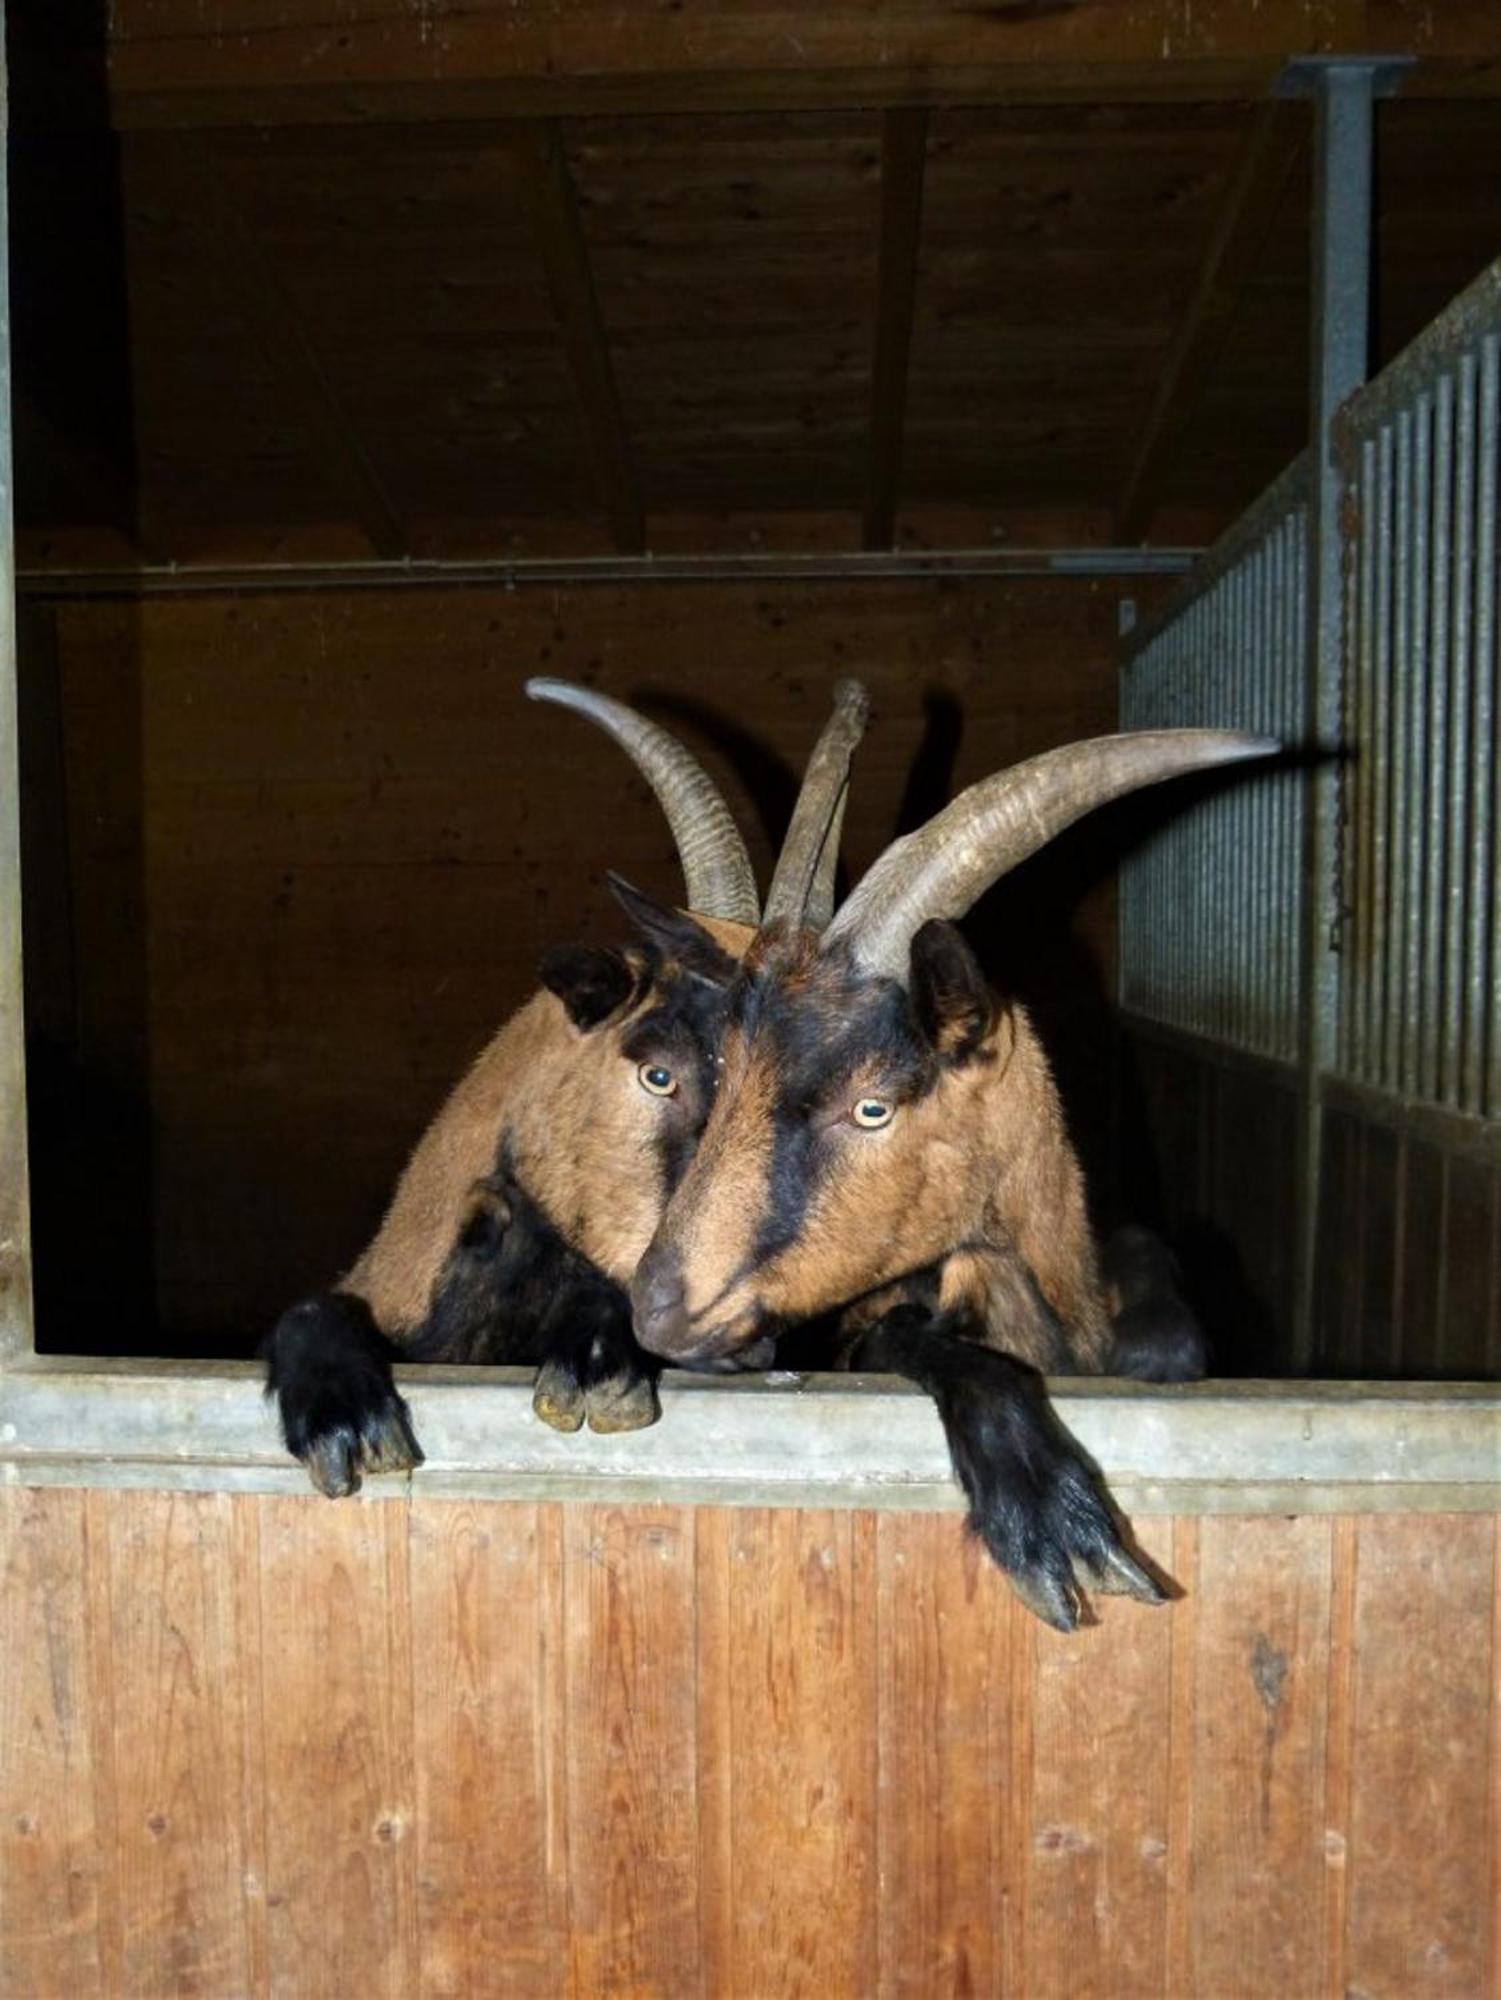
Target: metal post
x=15, y=1218
x=1343, y=92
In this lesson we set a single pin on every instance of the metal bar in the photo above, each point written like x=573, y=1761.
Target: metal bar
x=726, y=566
x=1343, y=129
x=1430, y=977
x=1451, y=1086
x=1401, y=786
x=15, y=1212
x=1485, y=776
x=1361, y=821
x=1381, y=748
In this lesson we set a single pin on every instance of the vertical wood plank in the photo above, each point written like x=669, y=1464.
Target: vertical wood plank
x=940, y=1727
x=804, y=1921
x=632, y=1757
x=1469, y=1267
x=1261, y=1671
x=1379, y=1271
x=177, y=1709
x=1339, y=1748
x=49, y=1847
x=247, y=1575
x=478, y=1639
x=715, y=1739
x=1182, y=1694
x=1420, y=1913
x=1422, y=1259
x=335, y=1712
x=1097, y=1837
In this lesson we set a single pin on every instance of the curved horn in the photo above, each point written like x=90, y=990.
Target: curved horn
x=716, y=868
x=802, y=889
x=947, y=865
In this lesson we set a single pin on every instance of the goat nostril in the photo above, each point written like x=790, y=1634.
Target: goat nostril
x=657, y=1298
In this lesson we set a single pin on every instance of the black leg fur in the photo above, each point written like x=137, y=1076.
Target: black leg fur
x=1034, y=1500
x=1158, y=1337
x=329, y=1368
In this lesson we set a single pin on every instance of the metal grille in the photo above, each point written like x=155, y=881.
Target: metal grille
x=1420, y=1003
x=1210, y=930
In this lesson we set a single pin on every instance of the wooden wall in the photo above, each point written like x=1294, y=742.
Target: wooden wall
x=292, y=858
x=271, y=1746
x=1409, y=1270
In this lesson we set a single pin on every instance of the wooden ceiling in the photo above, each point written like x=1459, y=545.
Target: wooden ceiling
x=305, y=283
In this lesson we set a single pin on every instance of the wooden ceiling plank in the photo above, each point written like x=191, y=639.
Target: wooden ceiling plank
x=585, y=55
x=904, y=155
x=263, y=302
x=547, y=190
x=1268, y=156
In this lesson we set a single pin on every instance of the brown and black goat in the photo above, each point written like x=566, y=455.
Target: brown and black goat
x=886, y=1146
x=523, y=1211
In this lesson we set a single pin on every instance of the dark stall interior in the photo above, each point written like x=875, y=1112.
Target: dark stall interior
x=338, y=412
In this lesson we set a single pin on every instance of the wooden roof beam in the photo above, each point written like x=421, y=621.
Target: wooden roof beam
x=904, y=153
x=263, y=303
x=547, y=190
x=1268, y=155
x=187, y=62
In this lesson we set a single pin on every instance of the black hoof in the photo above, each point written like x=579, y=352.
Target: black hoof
x=330, y=1371
x=595, y=1371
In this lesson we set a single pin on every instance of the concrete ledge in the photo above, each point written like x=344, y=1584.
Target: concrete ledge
x=827, y=1440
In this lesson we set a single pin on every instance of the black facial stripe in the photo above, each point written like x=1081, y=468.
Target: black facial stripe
x=681, y=1030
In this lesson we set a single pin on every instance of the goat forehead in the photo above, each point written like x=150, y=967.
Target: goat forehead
x=818, y=1023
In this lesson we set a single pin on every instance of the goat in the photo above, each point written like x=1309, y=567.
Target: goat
x=886, y=1145
x=526, y=1204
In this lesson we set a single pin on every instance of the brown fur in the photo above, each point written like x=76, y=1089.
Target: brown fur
x=974, y=1178
x=578, y=1128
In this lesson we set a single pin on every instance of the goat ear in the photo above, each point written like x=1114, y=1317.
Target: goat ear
x=954, y=1004
x=590, y=981
x=675, y=933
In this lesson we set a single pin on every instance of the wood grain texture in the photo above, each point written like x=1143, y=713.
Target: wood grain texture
x=943, y=1743
x=1261, y=1624
x=177, y=1696
x=479, y=1635
x=802, y=1663
x=1421, y=1916
x=1096, y=1853
x=338, y=1719
x=629, y=1704
x=269, y=1747
x=50, y=1851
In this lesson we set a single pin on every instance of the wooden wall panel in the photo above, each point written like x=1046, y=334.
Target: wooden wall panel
x=485, y=1590
x=278, y=1747
x=51, y=1853
x=1408, y=1280
x=1422, y=1915
x=319, y=843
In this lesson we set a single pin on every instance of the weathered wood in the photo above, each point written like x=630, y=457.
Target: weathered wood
x=1421, y=1914
x=548, y=192
x=172, y=58
x=1096, y=1848
x=337, y=1706
x=802, y=1660
x=178, y=1686
x=483, y=1778
x=630, y=1700
x=1263, y=167
x=51, y=1855
x=904, y=149
x=826, y=1752
x=942, y=1740
x=1261, y=1625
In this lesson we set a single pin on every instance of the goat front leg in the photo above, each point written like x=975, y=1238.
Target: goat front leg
x=592, y=1366
x=329, y=1368
x=1034, y=1500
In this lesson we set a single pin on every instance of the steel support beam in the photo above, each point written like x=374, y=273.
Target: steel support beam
x=1344, y=91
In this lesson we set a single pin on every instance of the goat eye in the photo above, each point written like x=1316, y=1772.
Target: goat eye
x=871, y=1113
x=658, y=1080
